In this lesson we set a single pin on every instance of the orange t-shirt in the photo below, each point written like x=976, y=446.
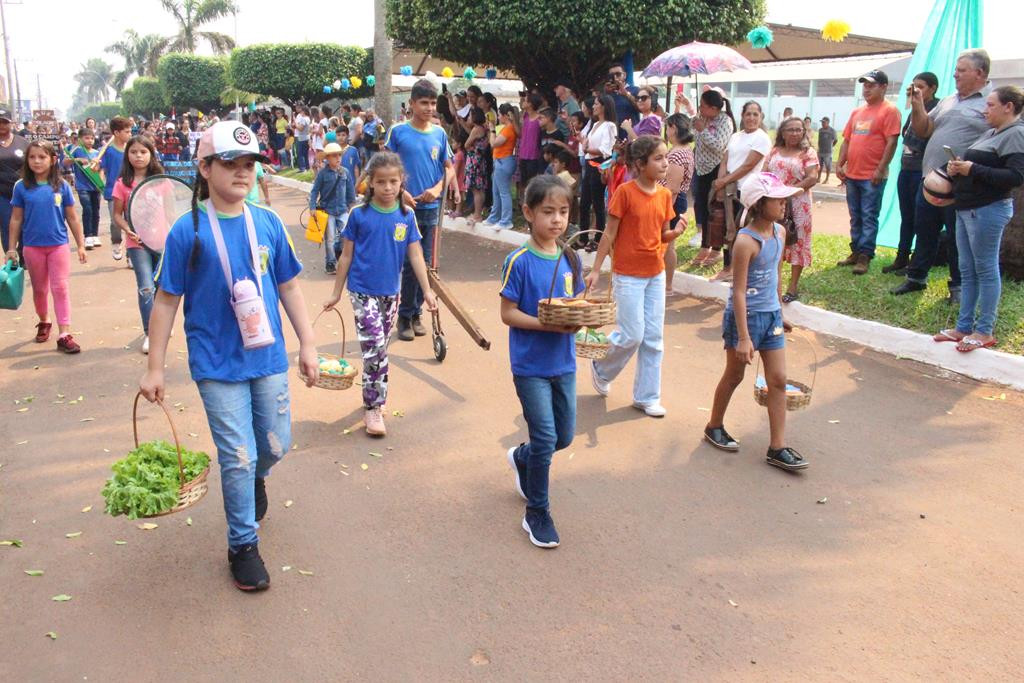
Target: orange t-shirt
x=866, y=135
x=638, y=247
x=509, y=147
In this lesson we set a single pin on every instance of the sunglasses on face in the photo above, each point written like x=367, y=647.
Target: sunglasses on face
x=643, y=97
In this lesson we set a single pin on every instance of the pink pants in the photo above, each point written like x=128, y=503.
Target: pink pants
x=49, y=269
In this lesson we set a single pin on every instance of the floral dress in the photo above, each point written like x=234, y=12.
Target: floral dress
x=476, y=165
x=792, y=170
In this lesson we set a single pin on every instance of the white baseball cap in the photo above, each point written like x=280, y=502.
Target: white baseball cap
x=229, y=140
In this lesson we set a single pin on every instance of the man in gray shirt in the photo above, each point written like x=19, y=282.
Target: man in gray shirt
x=957, y=121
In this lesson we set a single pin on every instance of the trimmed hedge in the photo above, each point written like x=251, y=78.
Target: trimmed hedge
x=191, y=81
x=145, y=97
x=294, y=72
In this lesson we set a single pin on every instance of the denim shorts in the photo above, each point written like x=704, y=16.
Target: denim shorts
x=765, y=330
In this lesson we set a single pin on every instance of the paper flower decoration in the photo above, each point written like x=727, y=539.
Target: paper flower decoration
x=406, y=70
x=252, y=106
x=469, y=74
x=356, y=82
x=492, y=74
x=345, y=84
x=327, y=89
x=447, y=72
x=835, y=30
x=331, y=136
x=760, y=37
x=199, y=115
x=371, y=80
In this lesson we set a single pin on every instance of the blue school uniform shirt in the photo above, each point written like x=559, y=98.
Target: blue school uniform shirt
x=423, y=154
x=215, y=348
x=351, y=161
x=110, y=164
x=380, y=239
x=81, y=181
x=525, y=280
x=43, y=213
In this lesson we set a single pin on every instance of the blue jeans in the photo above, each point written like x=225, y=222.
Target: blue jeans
x=864, y=201
x=90, y=201
x=302, y=155
x=549, y=408
x=979, y=232
x=501, y=181
x=908, y=186
x=928, y=223
x=411, y=302
x=246, y=418
x=640, y=302
x=332, y=238
x=144, y=262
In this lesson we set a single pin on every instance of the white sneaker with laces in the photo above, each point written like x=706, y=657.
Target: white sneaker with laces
x=374, y=421
x=145, y=345
x=117, y=252
x=600, y=386
x=96, y=241
x=695, y=240
x=651, y=409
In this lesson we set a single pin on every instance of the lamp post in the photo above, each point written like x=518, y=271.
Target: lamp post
x=7, y=50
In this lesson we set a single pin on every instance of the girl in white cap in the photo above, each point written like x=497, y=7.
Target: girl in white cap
x=753, y=316
x=234, y=264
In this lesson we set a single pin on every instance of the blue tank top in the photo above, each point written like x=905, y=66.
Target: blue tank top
x=763, y=274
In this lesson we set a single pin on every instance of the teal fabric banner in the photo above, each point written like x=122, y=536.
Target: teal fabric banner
x=952, y=27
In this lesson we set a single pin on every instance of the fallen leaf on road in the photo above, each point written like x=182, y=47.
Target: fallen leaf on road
x=364, y=466
x=344, y=466
x=87, y=419
x=34, y=572
x=52, y=635
x=344, y=472
x=193, y=434
x=822, y=501
x=734, y=604
x=87, y=508
x=479, y=658
x=189, y=521
x=833, y=422
x=376, y=455
x=22, y=410
x=60, y=395
x=289, y=503
x=346, y=431
x=147, y=526
x=80, y=399
x=73, y=534
x=22, y=443
x=285, y=568
x=572, y=454
x=305, y=573
x=120, y=542
x=398, y=413
x=61, y=598
x=704, y=410
x=14, y=542
x=1000, y=397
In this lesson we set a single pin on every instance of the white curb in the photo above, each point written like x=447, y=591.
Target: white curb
x=986, y=365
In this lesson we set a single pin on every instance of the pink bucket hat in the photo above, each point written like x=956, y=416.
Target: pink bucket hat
x=229, y=140
x=764, y=184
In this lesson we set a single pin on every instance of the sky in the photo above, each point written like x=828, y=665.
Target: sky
x=33, y=23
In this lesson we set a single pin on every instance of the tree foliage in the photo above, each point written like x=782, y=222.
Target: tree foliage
x=145, y=97
x=95, y=79
x=190, y=81
x=545, y=40
x=295, y=72
x=102, y=111
x=140, y=55
x=190, y=15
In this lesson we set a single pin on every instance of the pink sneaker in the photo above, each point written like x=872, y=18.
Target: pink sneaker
x=374, y=421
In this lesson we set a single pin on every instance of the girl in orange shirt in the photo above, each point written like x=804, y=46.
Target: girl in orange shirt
x=638, y=230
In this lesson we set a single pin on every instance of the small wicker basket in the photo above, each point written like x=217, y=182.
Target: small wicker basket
x=592, y=348
x=190, y=492
x=583, y=311
x=335, y=382
x=796, y=400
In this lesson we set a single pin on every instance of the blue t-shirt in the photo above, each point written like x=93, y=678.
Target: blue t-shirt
x=351, y=161
x=525, y=280
x=43, y=219
x=380, y=239
x=82, y=182
x=423, y=153
x=214, y=341
x=110, y=164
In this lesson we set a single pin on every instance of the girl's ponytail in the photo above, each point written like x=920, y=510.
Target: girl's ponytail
x=200, y=190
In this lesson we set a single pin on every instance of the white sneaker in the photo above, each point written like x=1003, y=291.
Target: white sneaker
x=651, y=409
x=695, y=240
x=96, y=241
x=117, y=252
x=145, y=345
x=600, y=386
x=88, y=244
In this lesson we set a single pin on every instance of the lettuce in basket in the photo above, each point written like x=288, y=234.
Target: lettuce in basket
x=146, y=482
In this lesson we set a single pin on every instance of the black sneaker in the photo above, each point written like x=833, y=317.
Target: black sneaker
x=786, y=458
x=954, y=296
x=908, y=286
x=719, y=438
x=404, y=330
x=541, y=527
x=417, y=327
x=248, y=570
x=331, y=269
x=261, y=498
x=520, y=471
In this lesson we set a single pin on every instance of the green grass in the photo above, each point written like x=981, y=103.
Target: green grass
x=834, y=288
x=295, y=174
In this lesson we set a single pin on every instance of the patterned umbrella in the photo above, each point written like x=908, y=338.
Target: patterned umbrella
x=696, y=58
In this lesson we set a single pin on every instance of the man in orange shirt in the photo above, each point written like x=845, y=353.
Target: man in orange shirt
x=869, y=142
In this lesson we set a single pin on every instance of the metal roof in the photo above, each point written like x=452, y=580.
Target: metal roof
x=794, y=42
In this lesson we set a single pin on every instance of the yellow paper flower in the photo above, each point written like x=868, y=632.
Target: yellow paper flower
x=355, y=81
x=835, y=30
x=447, y=72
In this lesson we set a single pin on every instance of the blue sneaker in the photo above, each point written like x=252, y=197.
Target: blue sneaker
x=520, y=470
x=541, y=527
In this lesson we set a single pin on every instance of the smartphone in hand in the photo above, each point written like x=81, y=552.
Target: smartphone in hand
x=950, y=153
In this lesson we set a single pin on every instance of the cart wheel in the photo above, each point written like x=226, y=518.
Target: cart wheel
x=440, y=348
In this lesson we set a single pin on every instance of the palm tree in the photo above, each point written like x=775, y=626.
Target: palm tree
x=190, y=15
x=95, y=80
x=140, y=53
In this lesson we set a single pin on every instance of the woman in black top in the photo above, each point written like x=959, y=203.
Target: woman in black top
x=982, y=181
x=12, y=157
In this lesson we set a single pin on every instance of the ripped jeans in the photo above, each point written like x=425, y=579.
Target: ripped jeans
x=144, y=262
x=249, y=420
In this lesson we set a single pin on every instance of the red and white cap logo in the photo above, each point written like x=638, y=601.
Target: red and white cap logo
x=228, y=140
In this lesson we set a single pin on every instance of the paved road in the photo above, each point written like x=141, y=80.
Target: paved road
x=896, y=556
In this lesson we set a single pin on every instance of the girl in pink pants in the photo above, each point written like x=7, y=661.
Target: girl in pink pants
x=42, y=208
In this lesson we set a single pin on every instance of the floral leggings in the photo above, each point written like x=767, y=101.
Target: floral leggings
x=375, y=316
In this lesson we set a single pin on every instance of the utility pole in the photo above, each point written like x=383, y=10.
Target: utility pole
x=17, y=89
x=7, y=51
x=39, y=91
x=382, y=48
